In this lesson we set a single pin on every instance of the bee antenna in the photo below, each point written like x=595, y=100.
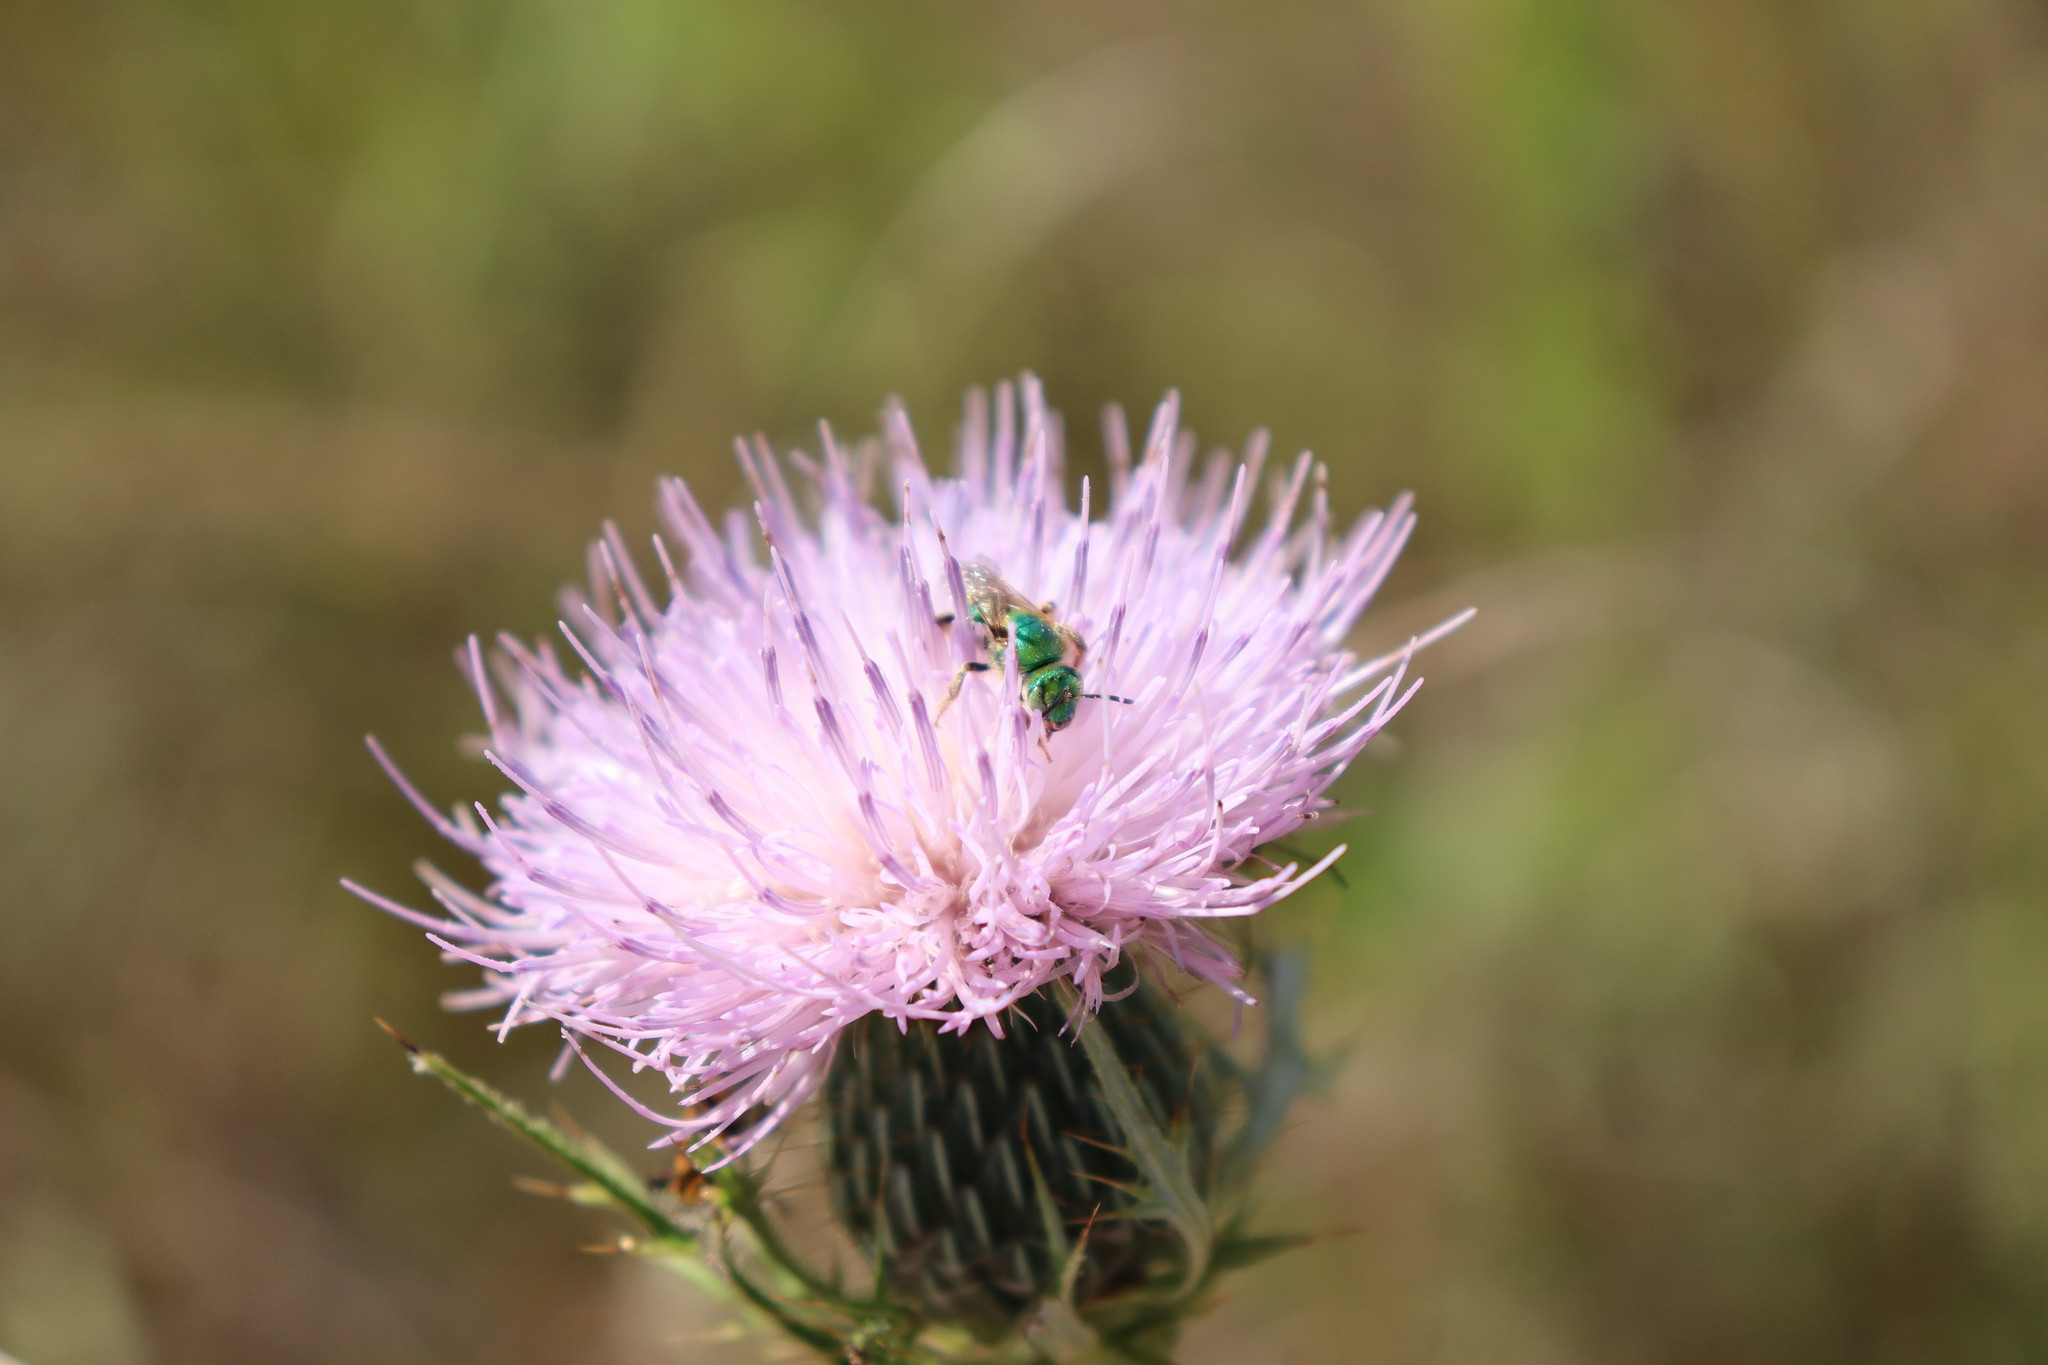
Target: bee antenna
x=1108, y=696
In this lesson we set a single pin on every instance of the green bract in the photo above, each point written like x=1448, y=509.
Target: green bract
x=1040, y=1199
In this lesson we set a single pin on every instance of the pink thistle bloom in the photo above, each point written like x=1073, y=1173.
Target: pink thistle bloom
x=747, y=816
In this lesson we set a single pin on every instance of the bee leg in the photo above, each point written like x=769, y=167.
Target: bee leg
x=960, y=676
x=944, y=618
x=953, y=691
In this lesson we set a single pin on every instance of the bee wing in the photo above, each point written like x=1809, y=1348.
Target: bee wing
x=987, y=589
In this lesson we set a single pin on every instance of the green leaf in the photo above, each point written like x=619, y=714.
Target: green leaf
x=859, y=1332
x=1161, y=1163
x=817, y=1338
x=607, y=1177
x=739, y=1194
x=686, y=1261
x=1236, y=1252
x=1284, y=1072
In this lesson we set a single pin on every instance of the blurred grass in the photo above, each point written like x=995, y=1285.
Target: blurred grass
x=1689, y=966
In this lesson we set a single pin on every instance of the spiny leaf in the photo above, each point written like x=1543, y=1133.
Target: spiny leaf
x=738, y=1192
x=684, y=1260
x=1160, y=1161
x=1058, y=1333
x=583, y=1192
x=1284, y=1072
x=1235, y=1252
x=817, y=1338
x=866, y=1333
x=613, y=1180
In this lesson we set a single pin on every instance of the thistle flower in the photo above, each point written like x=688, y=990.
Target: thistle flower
x=749, y=815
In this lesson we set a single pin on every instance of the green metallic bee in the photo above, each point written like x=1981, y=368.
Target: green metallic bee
x=1047, y=652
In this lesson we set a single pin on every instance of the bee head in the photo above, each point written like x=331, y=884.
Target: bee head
x=1054, y=692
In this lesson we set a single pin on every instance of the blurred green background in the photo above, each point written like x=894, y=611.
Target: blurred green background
x=1692, y=975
